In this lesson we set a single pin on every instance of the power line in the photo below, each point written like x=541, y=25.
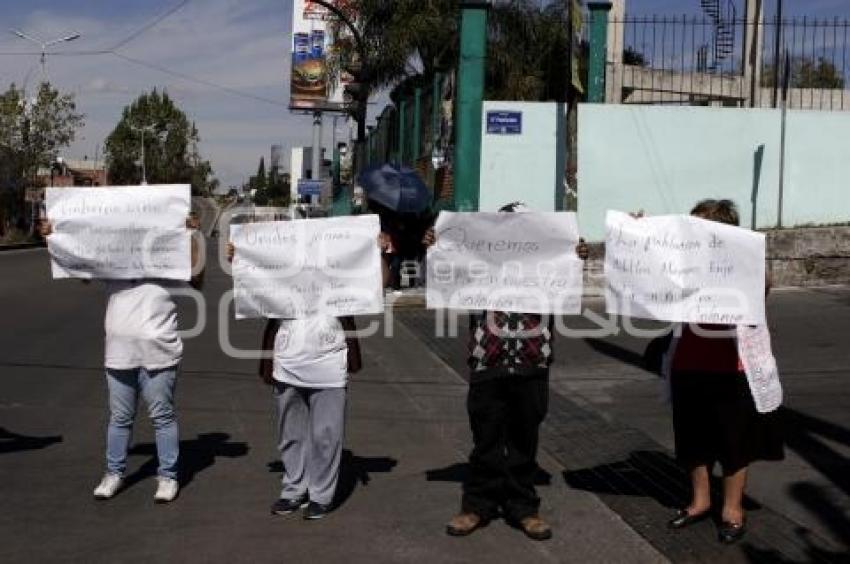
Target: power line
x=149, y=25
x=201, y=81
x=176, y=74
x=153, y=23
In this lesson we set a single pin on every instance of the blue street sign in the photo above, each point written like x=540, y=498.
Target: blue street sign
x=308, y=187
x=504, y=123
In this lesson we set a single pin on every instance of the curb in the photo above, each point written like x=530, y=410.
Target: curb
x=19, y=246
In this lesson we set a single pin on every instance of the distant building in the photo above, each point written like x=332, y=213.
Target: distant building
x=72, y=172
x=300, y=164
x=276, y=156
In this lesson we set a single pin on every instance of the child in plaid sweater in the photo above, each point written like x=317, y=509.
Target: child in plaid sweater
x=509, y=359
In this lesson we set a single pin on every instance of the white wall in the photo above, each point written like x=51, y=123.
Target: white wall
x=665, y=159
x=528, y=167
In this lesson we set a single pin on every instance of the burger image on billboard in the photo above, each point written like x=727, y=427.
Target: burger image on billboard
x=309, y=78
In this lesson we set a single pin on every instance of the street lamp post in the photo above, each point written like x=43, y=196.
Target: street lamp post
x=44, y=45
x=141, y=130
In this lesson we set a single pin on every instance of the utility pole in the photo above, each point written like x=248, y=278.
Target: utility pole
x=316, y=162
x=777, y=47
x=786, y=79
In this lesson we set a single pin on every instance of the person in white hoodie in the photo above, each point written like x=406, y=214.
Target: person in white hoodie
x=143, y=351
x=725, y=392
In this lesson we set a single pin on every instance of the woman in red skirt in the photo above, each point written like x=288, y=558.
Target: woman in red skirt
x=725, y=391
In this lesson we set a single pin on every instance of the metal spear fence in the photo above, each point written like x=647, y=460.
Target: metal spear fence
x=689, y=60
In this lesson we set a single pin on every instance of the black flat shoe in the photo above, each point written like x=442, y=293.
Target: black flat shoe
x=684, y=519
x=730, y=533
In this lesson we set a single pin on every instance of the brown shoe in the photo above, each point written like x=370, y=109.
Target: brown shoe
x=464, y=524
x=535, y=528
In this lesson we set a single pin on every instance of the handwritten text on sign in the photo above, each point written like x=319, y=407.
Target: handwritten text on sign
x=515, y=262
x=120, y=232
x=683, y=268
x=295, y=269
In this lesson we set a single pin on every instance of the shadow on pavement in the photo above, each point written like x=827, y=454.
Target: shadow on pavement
x=353, y=471
x=650, y=360
x=616, y=352
x=814, y=553
x=196, y=455
x=653, y=474
x=804, y=435
x=457, y=473
x=645, y=473
x=13, y=442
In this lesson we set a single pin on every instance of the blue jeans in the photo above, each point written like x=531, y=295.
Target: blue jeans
x=157, y=389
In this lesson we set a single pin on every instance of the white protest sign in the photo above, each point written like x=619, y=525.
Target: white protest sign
x=120, y=232
x=296, y=269
x=683, y=268
x=513, y=262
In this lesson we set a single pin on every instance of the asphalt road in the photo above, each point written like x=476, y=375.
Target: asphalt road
x=406, y=441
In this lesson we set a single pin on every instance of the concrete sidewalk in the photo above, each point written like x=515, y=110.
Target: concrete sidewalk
x=609, y=427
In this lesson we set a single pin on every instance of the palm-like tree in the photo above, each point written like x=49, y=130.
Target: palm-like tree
x=528, y=44
x=401, y=38
x=528, y=51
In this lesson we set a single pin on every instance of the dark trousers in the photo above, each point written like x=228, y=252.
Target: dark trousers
x=505, y=416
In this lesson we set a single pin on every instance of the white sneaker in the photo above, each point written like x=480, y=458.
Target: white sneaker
x=108, y=486
x=166, y=489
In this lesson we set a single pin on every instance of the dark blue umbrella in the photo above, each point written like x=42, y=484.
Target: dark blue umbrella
x=398, y=189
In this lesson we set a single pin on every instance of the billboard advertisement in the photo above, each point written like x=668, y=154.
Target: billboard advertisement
x=309, y=83
x=313, y=30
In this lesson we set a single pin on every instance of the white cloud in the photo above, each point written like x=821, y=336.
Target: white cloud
x=104, y=85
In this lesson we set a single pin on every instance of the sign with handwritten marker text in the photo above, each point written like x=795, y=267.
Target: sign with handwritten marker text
x=685, y=269
x=120, y=232
x=513, y=262
x=296, y=269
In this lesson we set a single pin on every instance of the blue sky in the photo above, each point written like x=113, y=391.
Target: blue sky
x=237, y=44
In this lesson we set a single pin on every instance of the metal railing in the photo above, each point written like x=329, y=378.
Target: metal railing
x=717, y=60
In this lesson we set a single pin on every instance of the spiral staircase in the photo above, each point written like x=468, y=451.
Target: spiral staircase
x=722, y=15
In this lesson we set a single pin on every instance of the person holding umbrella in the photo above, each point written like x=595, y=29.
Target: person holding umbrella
x=402, y=200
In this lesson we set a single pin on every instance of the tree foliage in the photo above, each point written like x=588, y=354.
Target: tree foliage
x=401, y=38
x=527, y=52
x=171, y=145
x=271, y=187
x=807, y=73
x=32, y=133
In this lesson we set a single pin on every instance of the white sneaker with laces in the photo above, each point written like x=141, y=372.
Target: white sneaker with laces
x=166, y=489
x=108, y=486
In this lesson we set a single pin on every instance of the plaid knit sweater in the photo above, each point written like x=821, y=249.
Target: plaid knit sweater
x=505, y=344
